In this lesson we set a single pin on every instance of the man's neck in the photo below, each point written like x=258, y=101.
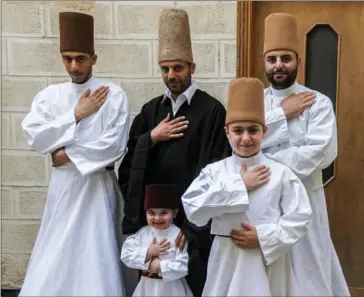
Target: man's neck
x=283, y=92
x=83, y=82
x=175, y=96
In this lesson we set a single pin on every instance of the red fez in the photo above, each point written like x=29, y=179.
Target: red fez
x=161, y=196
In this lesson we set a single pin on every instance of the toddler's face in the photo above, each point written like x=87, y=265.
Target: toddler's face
x=160, y=218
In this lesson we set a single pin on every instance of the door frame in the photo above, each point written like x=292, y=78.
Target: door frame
x=244, y=27
x=244, y=56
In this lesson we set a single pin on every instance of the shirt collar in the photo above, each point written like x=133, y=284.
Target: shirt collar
x=83, y=87
x=188, y=94
x=285, y=92
x=250, y=161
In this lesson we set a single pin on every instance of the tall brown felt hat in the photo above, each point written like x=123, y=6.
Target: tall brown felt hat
x=245, y=101
x=76, y=32
x=280, y=33
x=174, y=36
x=161, y=196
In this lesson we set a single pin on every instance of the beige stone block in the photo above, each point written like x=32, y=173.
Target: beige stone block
x=7, y=203
x=24, y=169
x=18, y=236
x=13, y=268
x=19, y=92
x=124, y=59
x=17, y=133
x=57, y=80
x=30, y=202
x=206, y=59
x=38, y=57
x=4, y=62
x=156, y=68
x=5, y=130
x=228, y=59
x=142, y=91
x=70, y=4
x=60, y=80
x=210, y=18
x=205, y=55
x=139, y=19
x=217, y=89
x=22, y=18
x=100, y=10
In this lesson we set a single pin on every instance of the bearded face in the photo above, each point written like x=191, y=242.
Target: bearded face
x=281, y=68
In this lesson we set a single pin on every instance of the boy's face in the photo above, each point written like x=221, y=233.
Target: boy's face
x=245, y=137
x=160, y=218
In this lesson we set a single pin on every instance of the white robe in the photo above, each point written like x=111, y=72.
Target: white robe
x=280, y=211
x=76, y=252
x=173, y=265
x=307, y=144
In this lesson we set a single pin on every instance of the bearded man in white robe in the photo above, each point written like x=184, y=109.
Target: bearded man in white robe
x=302, y=135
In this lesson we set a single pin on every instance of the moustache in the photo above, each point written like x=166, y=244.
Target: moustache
x=280, y=72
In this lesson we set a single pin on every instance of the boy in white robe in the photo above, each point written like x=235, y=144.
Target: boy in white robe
x=83, y=125
x=239, y=191
x=152, y=249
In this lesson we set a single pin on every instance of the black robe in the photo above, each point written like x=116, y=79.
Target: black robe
x=176, y=161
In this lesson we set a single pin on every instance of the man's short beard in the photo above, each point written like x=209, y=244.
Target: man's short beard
x=284, y=84
x=184, y=86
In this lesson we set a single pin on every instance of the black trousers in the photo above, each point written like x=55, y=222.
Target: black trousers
x=197, y=268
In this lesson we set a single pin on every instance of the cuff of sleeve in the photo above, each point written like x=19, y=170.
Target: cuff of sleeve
x=163, y=269
x=280, y=114
x=142, y=254
x=267, y=242
x=68, y=117
x=236, y=185
x=76, y=159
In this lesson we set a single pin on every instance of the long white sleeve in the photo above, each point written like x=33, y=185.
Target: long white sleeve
x=278, y=238
x=133, y=254
x=209, y=197
x=320, y=142
x=177, y=268
x=277, y=131
x=91, y=156
x=45, y=132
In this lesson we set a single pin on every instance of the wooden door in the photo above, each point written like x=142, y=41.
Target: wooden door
x=331, y=36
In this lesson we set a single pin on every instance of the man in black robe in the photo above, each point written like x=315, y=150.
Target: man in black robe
x=173, y=137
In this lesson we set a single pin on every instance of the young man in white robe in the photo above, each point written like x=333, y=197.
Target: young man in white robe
x=302, y=135
x=153, y=248
x=249, y=192
x=83, y=124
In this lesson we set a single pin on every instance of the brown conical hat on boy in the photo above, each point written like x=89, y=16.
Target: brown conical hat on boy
x=162, y=196
x=174, y=36
x=245, y=101
x=76, y=32
x=280, y=33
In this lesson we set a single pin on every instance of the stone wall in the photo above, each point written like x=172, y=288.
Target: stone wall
x=126, y=43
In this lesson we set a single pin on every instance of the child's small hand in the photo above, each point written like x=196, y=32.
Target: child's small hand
x=255, y=178
x=154, y=266
x=247, y=238
x=157, y=249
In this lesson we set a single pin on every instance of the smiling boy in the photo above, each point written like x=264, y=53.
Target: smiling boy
x=240, y=192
